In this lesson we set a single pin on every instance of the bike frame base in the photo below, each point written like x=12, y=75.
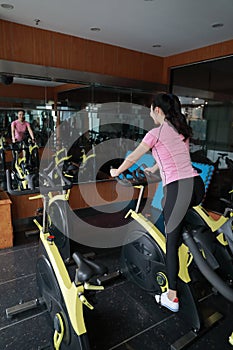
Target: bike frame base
x=191, y=336
x=23, y=307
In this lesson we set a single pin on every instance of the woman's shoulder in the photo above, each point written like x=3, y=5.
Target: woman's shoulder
x=155, y=130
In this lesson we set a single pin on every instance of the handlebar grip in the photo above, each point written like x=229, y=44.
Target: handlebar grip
x=123, y=181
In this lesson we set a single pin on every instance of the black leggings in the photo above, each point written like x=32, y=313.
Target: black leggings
x=179, y=196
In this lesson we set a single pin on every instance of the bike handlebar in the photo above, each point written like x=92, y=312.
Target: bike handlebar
x=137, y=177
x=211, y=276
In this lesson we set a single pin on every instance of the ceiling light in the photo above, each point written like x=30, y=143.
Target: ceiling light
x=37, y=21
x=95, y=29
x=217, y=25
x=7, y=6
x=156, y=45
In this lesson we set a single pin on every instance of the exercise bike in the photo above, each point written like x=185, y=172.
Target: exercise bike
x=60, y=290
x=143, y=262
x=199, y=216
x=25, y=165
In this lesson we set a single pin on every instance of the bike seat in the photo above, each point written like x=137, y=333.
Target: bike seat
x=87, y=268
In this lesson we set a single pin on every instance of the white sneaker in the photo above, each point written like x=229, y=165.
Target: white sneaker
x=163, y=300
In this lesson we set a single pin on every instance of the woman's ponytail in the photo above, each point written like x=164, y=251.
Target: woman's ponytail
x=171, y=106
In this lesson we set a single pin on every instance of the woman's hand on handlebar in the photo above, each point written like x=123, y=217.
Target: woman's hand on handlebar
x=149, y=170
x=114, y=172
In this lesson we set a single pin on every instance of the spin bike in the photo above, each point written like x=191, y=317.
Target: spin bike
x=62, y=292
x=25, y=165
x=143, y=262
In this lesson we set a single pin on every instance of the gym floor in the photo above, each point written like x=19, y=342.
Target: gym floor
x=125, y=317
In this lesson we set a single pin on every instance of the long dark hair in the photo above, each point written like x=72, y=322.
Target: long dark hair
x=171, y=107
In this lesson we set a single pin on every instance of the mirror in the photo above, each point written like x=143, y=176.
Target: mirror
x=206, y=93
x=82, y=117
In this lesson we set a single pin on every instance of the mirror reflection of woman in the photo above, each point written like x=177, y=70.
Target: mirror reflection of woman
x=19, y=128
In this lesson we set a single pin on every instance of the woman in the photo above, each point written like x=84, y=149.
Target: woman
x=19, y=128
x=182, y=185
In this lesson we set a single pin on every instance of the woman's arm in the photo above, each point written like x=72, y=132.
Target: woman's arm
x=131, y=159
x=30, y=132
x=13, y=132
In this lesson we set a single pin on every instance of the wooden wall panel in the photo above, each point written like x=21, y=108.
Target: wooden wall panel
x=94, y=56
x=109, y=63
x=152, y=68
x=37, y=46
x=129, y=63
x=23, y=43
x=33, y=45
x=66, y=87
x=42, y=47
x=61, y=50
x=6, y=40
x=26, y=91
x=78, y=54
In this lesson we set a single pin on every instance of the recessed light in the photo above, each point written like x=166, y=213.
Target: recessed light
x=217, y=25
x=7, y=6
x=156, y=45
x=95, y=29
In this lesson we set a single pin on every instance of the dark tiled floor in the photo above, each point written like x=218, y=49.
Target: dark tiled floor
x=125, y=317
